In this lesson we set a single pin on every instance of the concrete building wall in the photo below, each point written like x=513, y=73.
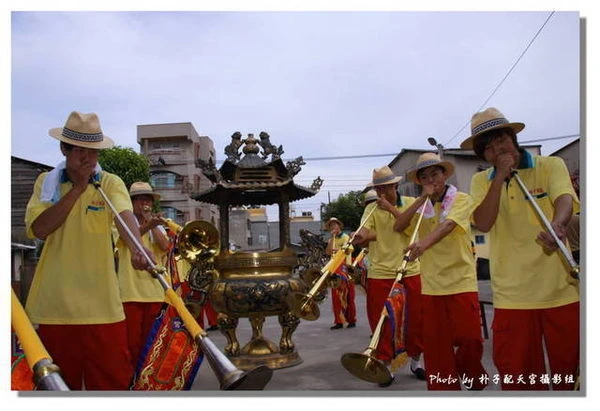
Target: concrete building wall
x=571, y=155
x=172, y=150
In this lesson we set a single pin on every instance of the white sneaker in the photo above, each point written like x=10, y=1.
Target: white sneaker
x=417, y=369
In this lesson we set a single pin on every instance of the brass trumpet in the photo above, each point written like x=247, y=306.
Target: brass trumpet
x=230, y=378
x=304, y=305
x=562, y=247
x=196, y=239
x=364, y=365
x=167, y=222
x=355, y=274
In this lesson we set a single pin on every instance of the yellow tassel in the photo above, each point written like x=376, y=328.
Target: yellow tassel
x=399, y=361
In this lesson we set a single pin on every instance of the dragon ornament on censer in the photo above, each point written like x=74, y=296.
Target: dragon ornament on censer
x=252, y=285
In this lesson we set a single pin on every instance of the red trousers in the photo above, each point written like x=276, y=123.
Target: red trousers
x=94, y=357
x=413, y=316
x=211, y=315
x=342, y=301
x=453, y=345
x=377, y=292
x=519, y=353
x=139, y=318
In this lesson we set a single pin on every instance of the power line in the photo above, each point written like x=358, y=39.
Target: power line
x=549, y=138
x=505, y=77
x=395, y=154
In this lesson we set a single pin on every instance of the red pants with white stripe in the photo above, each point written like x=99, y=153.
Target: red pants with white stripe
x=519, y=340
x=453, y=344
x=92, y=356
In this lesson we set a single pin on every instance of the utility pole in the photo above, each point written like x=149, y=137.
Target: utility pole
x=440, y=148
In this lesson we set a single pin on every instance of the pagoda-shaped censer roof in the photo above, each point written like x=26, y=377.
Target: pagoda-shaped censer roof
x=251, y=179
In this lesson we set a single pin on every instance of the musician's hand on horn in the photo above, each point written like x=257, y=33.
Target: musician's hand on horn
x=505, y=162
x=546, y=240
x=363, y=237
x=416, y=250
x=384, y=204
x=151, y=220
x=140, y=262
x=427, y=190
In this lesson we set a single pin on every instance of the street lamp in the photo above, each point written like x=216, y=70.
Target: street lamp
x=440, y=148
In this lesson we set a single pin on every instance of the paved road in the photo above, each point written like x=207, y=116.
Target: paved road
x=321, y=372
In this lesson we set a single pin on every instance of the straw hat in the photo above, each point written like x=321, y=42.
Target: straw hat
x=82, y=130
x=140, y=188
x=487, y=120
x=370, y=196
x=331, y=221
x=383, y=176
x=427, y=160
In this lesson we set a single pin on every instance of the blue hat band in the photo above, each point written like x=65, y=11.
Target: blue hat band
x=489, y=124
x=83, y=137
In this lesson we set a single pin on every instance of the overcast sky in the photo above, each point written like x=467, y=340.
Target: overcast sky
x=322, y=84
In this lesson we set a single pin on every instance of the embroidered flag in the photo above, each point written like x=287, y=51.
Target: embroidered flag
x=171, y=358
x=395, y=310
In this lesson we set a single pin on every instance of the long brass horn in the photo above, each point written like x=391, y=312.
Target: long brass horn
x=304, y=305
x=574, y=267
x=46, y=374
x=364, y=365
x=230, y=378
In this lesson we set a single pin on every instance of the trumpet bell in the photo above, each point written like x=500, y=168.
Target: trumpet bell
x=366, y=367
x=198, y=240
x=255, y=379
x=304, y=307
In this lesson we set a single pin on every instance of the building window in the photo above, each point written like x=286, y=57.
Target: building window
x=164, y=180
x=479, y=239
x=172, y=213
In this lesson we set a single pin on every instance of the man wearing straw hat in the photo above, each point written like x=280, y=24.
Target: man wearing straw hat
x=385, y=258
x=141, y=294
x=536, y=301
x=453, y=346
x=74, y=296
x=342, y=297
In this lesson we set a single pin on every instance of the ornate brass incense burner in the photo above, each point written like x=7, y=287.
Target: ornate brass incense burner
x=253, y=285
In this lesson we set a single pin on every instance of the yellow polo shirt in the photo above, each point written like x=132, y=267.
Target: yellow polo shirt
x=386, y=254
x=339, y=241
x=523, y=276
x=75, y=280
x=139, y=285
x=448, y=267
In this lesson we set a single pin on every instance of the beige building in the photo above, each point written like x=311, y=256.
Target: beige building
x=172, y=150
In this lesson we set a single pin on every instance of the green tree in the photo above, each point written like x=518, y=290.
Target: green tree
x=125, y=163
x=347, y=207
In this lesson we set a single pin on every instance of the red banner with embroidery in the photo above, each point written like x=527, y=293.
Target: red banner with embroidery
x=395, y=310
x=21, y=376
x=171, y=358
